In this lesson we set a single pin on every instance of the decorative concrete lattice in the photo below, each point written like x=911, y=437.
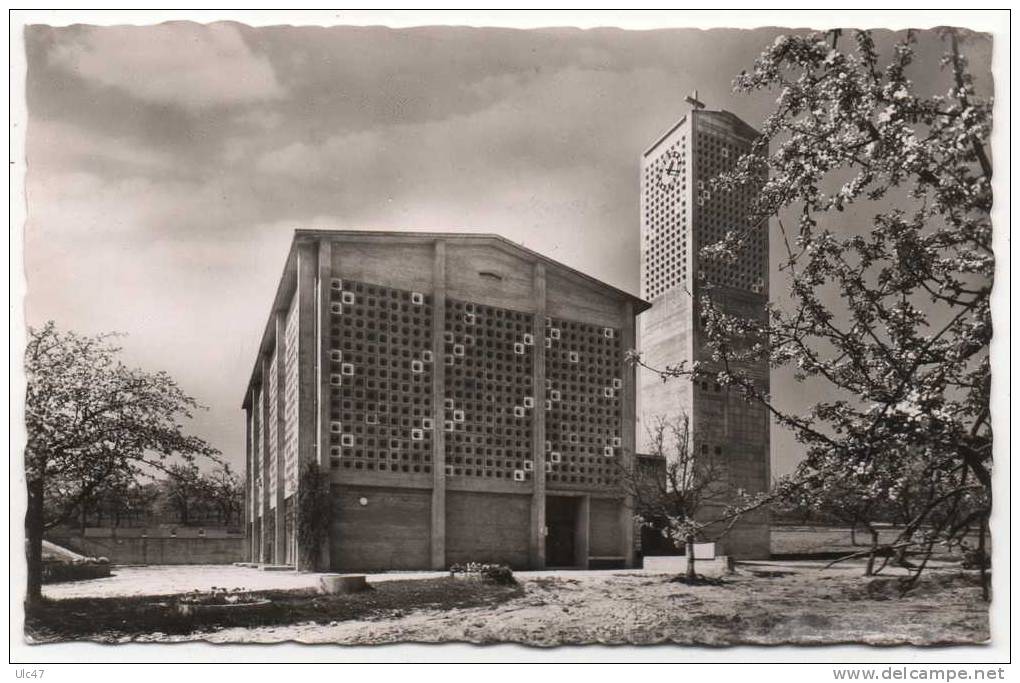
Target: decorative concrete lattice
x=380, y=377
x=584, y=366
x=665, y=209
x=722, y=211
x=273, y=442
x=489, y=398
x=290, y=401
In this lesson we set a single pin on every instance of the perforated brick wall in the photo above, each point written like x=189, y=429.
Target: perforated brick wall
x=721, y=211
x=682, y=213
x=380, y=378
x=489, y=401
x=664, y=193
x=584, y=413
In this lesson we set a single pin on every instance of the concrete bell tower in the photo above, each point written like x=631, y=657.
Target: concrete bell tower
x=680, y=214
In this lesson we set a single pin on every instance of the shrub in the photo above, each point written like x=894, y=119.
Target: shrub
x=314, y=514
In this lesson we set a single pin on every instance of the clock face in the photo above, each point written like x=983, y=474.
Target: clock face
x=672, y=172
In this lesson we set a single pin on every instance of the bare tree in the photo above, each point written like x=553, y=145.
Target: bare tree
x=683, y=496
x=184, y=491
x=226, y=493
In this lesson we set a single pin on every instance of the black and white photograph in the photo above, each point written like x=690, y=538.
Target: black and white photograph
x=548, y=332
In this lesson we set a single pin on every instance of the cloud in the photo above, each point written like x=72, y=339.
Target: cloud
x=54, y=145
x=184, y=64
x=554, y=121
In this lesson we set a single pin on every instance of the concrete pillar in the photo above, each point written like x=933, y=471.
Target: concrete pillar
x=536, y=549
x=256, y=474
x=437, y=545
x=307, y=387
x=628, y=434
x=254, y=502
x=266, y=551
x=324, y=397
x=280, y=518
x=252, y=474
x=246, y=517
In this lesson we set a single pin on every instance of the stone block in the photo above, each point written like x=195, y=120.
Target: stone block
x=677, y=564
x=333, y=584
x=704, y=551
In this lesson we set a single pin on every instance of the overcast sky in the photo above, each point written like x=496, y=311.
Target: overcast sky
x=169, y=165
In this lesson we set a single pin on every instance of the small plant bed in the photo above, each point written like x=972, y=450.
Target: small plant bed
x=222, y=597
x=219, y=600
x=120, y=619
x=498, y=574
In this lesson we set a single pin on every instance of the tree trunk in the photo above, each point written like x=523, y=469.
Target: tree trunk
x=870, y=569
x=689, y=550
x=901, y=554
x=34, y=539
x=853, y=534
x=983, y=559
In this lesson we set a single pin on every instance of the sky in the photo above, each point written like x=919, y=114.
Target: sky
x=168, y=165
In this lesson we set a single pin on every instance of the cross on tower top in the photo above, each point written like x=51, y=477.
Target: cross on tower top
x=693, y=100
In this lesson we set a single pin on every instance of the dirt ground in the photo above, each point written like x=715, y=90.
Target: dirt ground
x=762, y=603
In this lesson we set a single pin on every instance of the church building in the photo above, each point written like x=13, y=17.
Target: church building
x=467, y=398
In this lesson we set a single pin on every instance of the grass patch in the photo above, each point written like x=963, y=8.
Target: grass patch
x=113, y=619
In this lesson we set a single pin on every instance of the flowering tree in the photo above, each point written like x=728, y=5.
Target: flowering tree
x=91, y=419
x=891, y=318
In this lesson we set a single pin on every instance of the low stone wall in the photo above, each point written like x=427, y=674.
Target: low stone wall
x=141, y=546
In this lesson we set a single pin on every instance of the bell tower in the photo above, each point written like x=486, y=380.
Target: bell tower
x=681, y=214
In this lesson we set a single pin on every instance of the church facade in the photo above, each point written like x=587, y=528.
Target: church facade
x=466, y=398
